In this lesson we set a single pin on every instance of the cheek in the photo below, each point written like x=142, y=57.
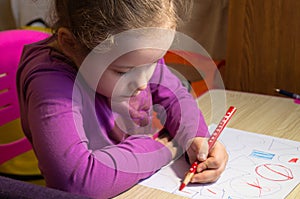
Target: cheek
x=151, y=70
x=106, y=85
x=112, y=85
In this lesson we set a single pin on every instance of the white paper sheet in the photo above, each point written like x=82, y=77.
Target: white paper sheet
x=259, y=166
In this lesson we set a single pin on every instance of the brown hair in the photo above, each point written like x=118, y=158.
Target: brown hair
x=93, y=21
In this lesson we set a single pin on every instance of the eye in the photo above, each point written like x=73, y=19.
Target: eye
x=120, y=73
x=122, y=70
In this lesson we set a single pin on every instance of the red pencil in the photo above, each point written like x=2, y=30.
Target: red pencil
x=211, y=141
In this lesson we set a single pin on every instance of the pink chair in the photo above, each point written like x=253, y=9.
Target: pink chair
x=11, y=45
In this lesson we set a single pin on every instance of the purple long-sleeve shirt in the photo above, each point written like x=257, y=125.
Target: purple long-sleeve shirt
x=76, y=149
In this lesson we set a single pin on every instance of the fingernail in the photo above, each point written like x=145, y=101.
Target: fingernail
x=201, y=157
x=199, y=170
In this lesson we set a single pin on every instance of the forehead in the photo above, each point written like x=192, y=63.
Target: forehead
x=139, y=57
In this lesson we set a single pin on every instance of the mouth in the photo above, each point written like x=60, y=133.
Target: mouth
x=135, y=93
x=123, y=98
x=129, y=95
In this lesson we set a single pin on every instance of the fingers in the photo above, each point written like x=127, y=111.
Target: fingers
x=208, y=171
x=206, y=176
x=202, y=151
x=202, y=166
x=198, y=149
x=211, y=169
x=219, y=155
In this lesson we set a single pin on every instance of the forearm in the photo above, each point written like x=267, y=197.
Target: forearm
x=103, y=172
x=77, y=157
x=109, y=171
x=180, y=113
x=176, y=106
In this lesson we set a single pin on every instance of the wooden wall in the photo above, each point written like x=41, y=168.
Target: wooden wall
x=6, y=17
x=208, y=26
x=263, y=46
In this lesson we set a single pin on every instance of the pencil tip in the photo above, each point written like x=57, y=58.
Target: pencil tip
x=277, y=90
x=181, y=186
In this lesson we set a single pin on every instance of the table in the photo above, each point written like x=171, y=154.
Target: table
x=269, y=115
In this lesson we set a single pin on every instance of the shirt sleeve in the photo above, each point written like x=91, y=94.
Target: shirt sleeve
x=67, y=163
x=176, y=107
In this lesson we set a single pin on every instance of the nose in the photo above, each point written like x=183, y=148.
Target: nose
x=139, y=89
x=138, y=84
x=141, y=81
x=142, y=87
x=139, y=78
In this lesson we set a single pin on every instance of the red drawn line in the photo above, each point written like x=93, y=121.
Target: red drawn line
x=293, y=160
x=254, y=185
x=288, y=176
x=186, y=192
x=211, y=191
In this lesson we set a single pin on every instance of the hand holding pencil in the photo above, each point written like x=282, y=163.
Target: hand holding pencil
x=214, y=165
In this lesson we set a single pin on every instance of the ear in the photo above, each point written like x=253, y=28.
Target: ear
x=68, y=45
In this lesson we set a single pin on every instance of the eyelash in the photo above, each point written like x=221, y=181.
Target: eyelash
x=123, y=73
x=120, y=73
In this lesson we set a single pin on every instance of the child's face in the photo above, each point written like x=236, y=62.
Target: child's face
x=129, y=74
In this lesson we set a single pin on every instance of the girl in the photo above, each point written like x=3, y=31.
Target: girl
x=86, y=96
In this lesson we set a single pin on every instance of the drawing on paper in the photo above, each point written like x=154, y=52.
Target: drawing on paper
x=259, y=166
x=274, y=172
x=251, y=187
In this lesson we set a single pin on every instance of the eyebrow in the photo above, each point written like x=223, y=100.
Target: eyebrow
x=123, y=67
x=130, y=67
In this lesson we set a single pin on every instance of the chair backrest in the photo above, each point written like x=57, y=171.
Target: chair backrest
x=198, y=69
x=11, y=46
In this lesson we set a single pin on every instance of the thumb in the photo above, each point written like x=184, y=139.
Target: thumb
x=203, y=151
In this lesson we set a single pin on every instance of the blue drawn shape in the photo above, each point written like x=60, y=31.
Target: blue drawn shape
x=262, y=154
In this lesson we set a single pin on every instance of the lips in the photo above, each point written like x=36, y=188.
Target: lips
x=137, y=92
x=139, y=107
x=135, y=108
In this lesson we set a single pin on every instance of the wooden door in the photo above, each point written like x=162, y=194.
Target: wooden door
x=263, y=46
